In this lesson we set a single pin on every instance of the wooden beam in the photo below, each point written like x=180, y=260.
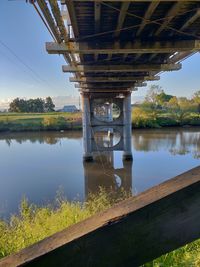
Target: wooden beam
x=122, y=68
x=179, y=57
x=191, y=20
x=121, y=18
x=59, y=20
x=147, y=16
x=114, y=79
x=97, y=19
x=48, y=17
x=169, y=16
x=106, y=91
x=72, y=15
x=123, y=48
x=131, y=233
x=97, y=16
x=107, y=86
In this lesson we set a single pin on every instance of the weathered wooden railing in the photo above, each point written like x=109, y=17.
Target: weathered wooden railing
x=131, y=233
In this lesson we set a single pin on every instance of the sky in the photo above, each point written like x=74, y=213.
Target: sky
x=26, y=69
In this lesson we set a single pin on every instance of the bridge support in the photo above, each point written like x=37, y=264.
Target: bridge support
x=127, y=128
x=87, y=130
x=106, y=123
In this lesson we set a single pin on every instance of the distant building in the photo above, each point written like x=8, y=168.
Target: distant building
x=69, y=108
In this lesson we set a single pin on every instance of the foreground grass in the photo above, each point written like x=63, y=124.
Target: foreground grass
x=39, y=121
x=34, y=223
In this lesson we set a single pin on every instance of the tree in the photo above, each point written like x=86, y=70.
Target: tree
x=196, y=99
x=151, y=96
x=173, y=104
x=163, y=98
x=49, y=105
x=31, y=105
x=18, y=105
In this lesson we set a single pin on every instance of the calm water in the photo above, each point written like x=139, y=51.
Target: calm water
x=36, y=165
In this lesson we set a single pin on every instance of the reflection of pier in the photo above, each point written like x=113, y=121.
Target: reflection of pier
x=102, y=173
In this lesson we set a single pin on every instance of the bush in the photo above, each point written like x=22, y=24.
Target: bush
x=144, y=119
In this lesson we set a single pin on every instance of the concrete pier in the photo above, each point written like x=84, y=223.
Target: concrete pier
x=127, y=126
x=98, y=118
x=87, y=131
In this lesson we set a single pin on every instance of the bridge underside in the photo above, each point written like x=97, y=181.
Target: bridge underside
x=113, y=47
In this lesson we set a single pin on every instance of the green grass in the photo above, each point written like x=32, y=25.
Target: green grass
x=34, y=223
x=39, y=121
x=143, y=118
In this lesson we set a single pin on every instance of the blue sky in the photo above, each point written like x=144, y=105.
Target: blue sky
x=23, y=32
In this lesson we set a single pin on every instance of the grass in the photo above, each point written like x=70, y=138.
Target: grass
x=142, y=118
x=34, y=223
x=39, y=121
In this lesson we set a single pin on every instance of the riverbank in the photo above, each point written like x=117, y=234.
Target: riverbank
x=57, y=121
x=34, y=223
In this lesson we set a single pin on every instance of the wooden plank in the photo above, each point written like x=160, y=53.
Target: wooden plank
x=97, y=16
x=114, y=79
x=72, y=15
x=130, y=233
x=105, y=85
x=123, y=48
x=58, y=18
x=169, y=16
x=121, y=18
x=97, y=19
x=147, y=16
x=191, y=20
x=122, y=68
x=48, y=17
x=179, y=57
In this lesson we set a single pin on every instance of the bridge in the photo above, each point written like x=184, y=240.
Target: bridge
x=113, y=47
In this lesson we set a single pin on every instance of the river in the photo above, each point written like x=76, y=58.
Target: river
x=37, y=165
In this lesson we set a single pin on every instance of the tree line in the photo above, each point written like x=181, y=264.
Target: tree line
x=37, y=105
x=157, y=99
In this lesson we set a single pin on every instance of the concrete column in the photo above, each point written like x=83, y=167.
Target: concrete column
x=127, y=131
x=87, y=130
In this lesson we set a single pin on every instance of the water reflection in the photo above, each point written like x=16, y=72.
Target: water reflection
x=50, y=138
x=103, y=173
x=37, y=164
x=176, y=141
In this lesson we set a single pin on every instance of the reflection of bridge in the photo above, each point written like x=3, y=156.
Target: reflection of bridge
x=112, y=47
x=102, y=173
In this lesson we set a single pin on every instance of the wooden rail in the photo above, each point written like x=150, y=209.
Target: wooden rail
x=131, y=233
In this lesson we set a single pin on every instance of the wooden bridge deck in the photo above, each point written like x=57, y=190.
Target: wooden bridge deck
x=131, y=233
x=122, y=39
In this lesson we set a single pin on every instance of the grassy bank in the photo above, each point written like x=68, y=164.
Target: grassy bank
x=142, y=118
x=16, y=122
x=34, y=223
